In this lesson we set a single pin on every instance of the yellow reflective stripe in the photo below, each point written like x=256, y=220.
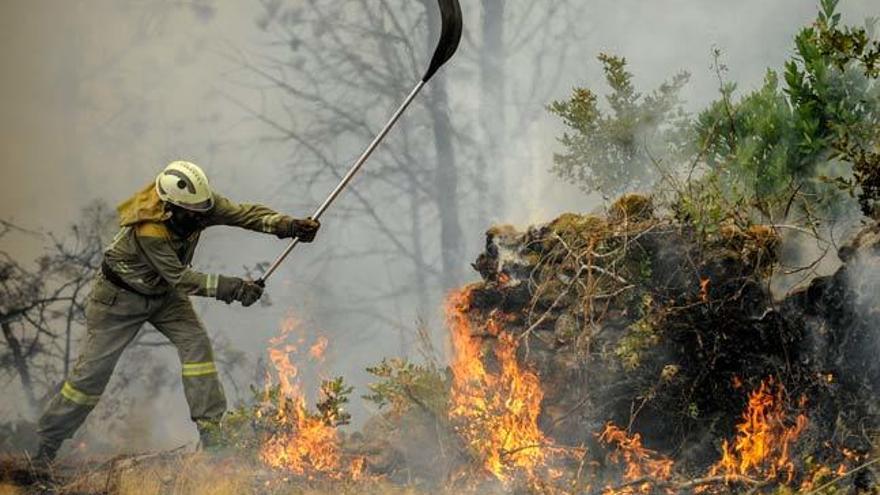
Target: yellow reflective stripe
x=270, y=222
x=199, y=369
x=74, y=395
x=211, y=284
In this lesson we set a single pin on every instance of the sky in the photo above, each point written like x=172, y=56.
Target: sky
x=97, y=95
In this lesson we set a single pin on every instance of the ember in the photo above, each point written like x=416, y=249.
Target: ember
x=704, y=289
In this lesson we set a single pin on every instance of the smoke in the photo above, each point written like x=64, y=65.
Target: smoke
x=861, y=279
x=99, y=94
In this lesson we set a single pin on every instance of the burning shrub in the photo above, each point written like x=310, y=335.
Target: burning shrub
x=496, y=413
x=764, y=438
x=615, y=301
x=279, y=429
x=642, y=467
x=644, y=320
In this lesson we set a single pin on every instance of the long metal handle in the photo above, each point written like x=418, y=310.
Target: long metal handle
x=346, y=179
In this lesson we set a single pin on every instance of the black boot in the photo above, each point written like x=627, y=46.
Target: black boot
x=46, y=453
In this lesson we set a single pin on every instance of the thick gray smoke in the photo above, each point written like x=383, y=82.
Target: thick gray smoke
x=99, y=94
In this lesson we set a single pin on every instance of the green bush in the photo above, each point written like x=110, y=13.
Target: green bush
x=808, y=135
x=782, y=139
x=404, y=385
x=620, y=149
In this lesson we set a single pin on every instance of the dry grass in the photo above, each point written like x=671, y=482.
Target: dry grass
x=190, y=474
x=195, y=475
x=185, y=474
x=199, y=474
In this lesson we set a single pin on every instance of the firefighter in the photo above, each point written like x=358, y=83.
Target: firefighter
x=145, y=276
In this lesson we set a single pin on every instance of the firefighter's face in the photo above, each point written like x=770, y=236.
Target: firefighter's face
x=184, y=216
x=184, y=222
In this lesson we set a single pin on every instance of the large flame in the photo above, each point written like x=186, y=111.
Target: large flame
x=764, y=437
x=495, y=411
x=495, y=406
x=303, y=443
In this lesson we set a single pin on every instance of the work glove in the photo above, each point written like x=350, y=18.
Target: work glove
x=236, y=289
x=303, y=229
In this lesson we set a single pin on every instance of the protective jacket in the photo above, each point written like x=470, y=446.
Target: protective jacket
x=153, y=259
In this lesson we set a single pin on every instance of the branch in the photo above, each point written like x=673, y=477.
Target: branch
x=686, y=485
x=841, y=477
x=20, y=363
x=368, y=208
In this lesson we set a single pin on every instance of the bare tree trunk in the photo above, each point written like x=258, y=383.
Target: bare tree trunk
x=446, y=178
x=422, y=271
x=446, y=186
x=493, y=98
x=421, y=265
x=19, y=362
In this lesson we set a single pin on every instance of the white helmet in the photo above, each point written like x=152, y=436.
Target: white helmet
x=185, y=184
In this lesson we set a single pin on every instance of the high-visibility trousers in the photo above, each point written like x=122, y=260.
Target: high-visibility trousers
x=113, y=318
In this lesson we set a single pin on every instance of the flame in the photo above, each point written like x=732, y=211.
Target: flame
x=303, y=443
x=764, y=437
x=640, y=463
x=495, y=403
x=312, y=447
x=761, y=449
x=704, y=289
x=495, y=412
x=318, y=349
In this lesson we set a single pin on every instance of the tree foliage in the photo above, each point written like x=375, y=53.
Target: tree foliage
x=617, y=149
x=809, y=133
x=785, y=136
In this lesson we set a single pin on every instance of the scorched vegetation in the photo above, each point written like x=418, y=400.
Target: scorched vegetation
x=706, y=331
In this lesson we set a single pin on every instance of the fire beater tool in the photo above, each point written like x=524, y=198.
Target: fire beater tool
x=450, y=35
